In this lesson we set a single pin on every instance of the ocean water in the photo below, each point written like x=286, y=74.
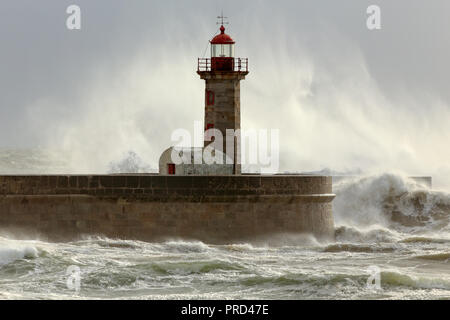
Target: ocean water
x=387, y=227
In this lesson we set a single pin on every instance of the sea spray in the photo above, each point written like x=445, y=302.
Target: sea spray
x=11, y=251
x=390, y=201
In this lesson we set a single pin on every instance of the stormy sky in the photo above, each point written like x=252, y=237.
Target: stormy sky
x=344, y=97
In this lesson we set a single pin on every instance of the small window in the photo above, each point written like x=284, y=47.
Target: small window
x=209, y=97
x=171, y=168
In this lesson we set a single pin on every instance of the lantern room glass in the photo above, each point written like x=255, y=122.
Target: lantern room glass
x=222, y=50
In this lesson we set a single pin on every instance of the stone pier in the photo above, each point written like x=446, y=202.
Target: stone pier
x=213, y=209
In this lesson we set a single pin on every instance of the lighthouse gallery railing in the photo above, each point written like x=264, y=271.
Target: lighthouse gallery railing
x=240, y=64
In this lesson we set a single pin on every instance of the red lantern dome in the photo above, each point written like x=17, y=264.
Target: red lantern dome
x=222, y=38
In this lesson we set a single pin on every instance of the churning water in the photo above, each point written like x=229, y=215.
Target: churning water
x=385, y=222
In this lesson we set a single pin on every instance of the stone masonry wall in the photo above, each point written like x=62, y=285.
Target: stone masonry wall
x=213, y=209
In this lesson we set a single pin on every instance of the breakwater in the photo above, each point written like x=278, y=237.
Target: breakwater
x=213, y=209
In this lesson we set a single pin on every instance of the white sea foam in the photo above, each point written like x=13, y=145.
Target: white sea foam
x=10, y=252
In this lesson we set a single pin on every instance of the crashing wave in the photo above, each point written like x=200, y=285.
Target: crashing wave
x=10, y=253
x=391, y=201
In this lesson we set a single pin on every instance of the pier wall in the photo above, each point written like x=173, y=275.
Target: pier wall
x=213, y=209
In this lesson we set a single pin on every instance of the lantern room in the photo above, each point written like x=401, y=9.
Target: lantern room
x=222, y=52
x=222, y=46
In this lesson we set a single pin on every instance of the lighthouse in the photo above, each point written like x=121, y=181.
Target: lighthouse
x=223, y=73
